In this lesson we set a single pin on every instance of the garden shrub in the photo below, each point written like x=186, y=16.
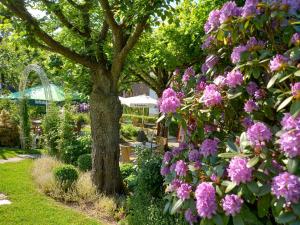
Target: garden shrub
x=238, y=163
x=126, y=169
x=67, y=135
x=146, y=205
x=50, y=126
x=84, y=162
x=66, y=175
x=129, y=131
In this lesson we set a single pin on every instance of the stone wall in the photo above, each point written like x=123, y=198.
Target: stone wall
x=9, y=131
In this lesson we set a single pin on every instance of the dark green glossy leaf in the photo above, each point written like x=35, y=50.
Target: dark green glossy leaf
x=218, y=219
x=237, y=220
x=285, y=218
x=252, y=186
x=263, y=205
x=296, y=209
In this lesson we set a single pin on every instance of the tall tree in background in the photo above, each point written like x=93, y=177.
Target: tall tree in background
x=98, y=35
x=172, y=45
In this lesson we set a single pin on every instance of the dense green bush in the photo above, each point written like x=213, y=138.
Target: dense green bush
x=84, y=162
x=126, y=169
x=66, y=175
x=129, y=131
x=149, y=179
x=50, y=125
x=143, y=209
x=66, y=132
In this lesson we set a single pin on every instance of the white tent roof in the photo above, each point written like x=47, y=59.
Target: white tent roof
x=140, y=101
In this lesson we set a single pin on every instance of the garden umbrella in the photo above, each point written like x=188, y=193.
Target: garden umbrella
x=37, y=94
x=140, y=101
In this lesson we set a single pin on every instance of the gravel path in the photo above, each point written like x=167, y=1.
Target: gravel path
x=19, y=158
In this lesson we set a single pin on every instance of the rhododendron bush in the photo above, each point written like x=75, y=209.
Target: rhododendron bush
x=240, y=160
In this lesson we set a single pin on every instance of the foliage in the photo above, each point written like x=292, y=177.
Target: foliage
x=129, y=131
x=50, y=126
x=138, y=118
x=66, y=175
x=149, y=179
x=25, y=124
x=172, y=44
x=84, y=162
x=66, y=133
x=145, y=206
x=126, y=169
x=238, y=162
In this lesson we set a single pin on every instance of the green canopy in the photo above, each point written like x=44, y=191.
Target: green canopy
x=37, y=93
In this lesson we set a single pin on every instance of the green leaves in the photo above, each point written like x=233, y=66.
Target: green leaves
x=252, y=162
x=273, y=80
x=230, y=154
x=285, y=218
x=176, y=206
x=230, y=187
x=263, y=205
x=238, y=220
x=285, y=103
x=295, y=108
x=293, y=166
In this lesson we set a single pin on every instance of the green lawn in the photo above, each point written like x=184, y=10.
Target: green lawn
x=6, y=153
x=29, y=207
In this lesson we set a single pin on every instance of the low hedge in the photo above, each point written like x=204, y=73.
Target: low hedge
x=138, y=118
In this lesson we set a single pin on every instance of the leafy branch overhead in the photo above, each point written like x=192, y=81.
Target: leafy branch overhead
x=96, y=34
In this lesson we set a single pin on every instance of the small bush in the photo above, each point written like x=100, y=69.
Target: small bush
x=66, y=175
x=50, y=126
x=84, y=162
x=75, y=148
x=126, y=169
x=129, y=131
x=131, y=182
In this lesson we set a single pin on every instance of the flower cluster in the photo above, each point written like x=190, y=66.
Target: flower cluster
x=169, y=102
x=290, y=140
x=238, y=170
x=211, y=95
x=232, y=204
x=286, y=185
x=206, y=200
x=258, y=134
x=279, y=62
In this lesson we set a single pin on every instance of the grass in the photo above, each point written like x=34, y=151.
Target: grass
x=29, y=206
x=6, y=153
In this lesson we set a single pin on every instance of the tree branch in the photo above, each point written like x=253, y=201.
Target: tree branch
x=52, y=7
x=109, y=16
x=18, y=7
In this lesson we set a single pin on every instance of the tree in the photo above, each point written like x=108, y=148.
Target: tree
x=170, y=46
x=98, y=35
x=173, y=44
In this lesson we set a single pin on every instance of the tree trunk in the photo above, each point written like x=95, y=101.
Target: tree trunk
x=106, y=111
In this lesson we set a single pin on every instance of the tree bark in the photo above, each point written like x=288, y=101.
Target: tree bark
x=106, y=111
